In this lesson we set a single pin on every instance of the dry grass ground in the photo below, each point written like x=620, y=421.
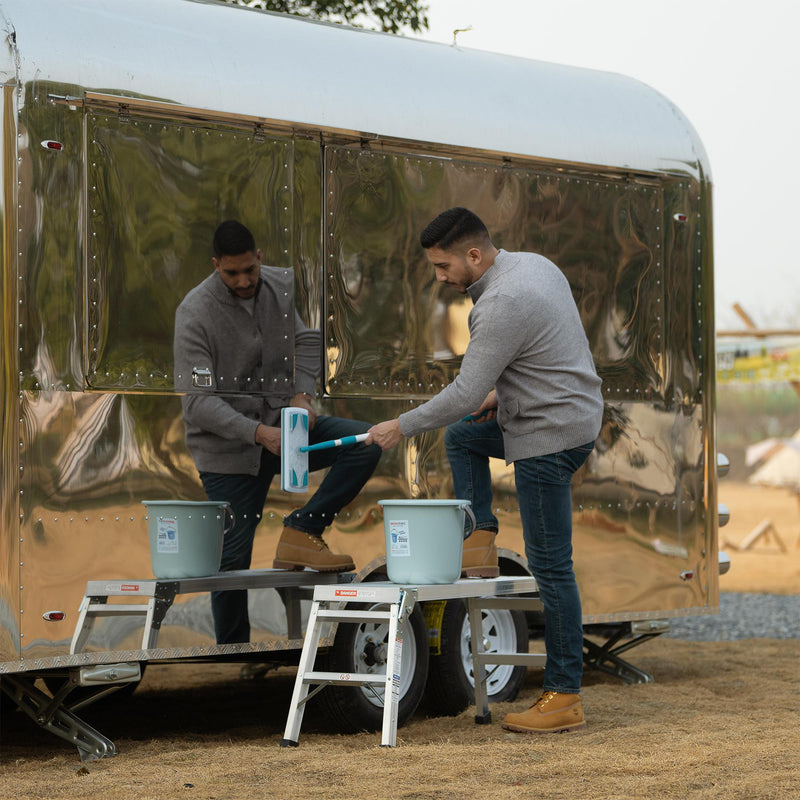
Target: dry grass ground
x=720, y=721
x=765, y=567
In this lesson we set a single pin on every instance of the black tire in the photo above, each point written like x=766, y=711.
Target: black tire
x=352, y=709
x=451, y=682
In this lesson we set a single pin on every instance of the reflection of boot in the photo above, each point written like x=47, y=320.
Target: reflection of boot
x=553, y=712
x=479, y=557
x=297, y=550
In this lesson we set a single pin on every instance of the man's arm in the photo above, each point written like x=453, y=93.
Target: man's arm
x=495, y=340
x=388, y=434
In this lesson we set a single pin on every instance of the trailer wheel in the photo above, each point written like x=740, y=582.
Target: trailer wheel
x=451, y=679
x=362, y=648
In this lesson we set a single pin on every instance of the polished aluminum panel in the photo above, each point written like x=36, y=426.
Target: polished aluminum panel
x=331, y=77
x=50, y=245
x=640, y=512
x=156, y=191
x=89, y=459
x=392, y=330
x=9, y=415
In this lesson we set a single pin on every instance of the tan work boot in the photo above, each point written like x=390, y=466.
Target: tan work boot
x=298, y=550
x=553, y=712
x=479, y=556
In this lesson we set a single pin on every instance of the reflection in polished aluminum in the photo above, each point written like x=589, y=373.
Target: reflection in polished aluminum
x=112, y=230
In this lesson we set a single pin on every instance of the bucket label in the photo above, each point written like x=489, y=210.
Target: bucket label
x=399, y=542
x=167, y=535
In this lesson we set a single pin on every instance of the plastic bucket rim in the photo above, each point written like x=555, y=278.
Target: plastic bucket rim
x=434, y=502
x=438, y=565
x=463, y=505
x=223, y=505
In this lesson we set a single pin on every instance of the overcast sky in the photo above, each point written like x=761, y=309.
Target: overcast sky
x=732, y=68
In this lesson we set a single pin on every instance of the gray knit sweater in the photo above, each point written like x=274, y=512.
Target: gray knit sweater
x=256, y=363
x=527, y=342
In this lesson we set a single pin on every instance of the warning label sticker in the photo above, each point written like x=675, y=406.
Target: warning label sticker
x=361, y=594
x=399, y=543
x=167, y=535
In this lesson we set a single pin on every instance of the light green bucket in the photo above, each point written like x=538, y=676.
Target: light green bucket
x=186, y=537
x=424, y=539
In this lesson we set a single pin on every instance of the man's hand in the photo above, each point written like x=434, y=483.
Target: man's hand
x=303, y=400
x=270, y=438
x=385, y=434
x=487, y=410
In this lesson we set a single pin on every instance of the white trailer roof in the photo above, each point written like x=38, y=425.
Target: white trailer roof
x=236, y=60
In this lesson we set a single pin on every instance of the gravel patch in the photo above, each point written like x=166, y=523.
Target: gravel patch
x=743, y=616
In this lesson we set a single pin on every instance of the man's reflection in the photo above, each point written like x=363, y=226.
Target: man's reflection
x=242, y=353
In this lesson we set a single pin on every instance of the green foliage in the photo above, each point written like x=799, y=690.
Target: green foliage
x=390, y=16
x=748, y=413
x=760, y=410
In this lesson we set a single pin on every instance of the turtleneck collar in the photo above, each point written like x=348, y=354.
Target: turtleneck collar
x=501, y=263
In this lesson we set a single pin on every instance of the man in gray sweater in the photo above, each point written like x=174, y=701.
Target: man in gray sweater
x=529, y=381
x=242, y=353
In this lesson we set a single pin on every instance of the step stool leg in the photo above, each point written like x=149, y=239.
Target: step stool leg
x=482, y=714
x=297, y=706
x=149, y=634
x=84, y=625
x=394, y=661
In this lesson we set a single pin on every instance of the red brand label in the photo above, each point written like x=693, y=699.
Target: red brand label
x=129, y=587
x=345, y=593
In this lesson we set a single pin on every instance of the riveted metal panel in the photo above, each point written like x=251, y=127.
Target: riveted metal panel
x=392, y=330
x=155, y=189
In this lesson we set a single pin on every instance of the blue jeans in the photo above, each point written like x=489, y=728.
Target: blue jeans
x=350, y=468
x=545, y=505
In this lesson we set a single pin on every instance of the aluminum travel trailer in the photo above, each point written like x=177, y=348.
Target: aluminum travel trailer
x=130, y=130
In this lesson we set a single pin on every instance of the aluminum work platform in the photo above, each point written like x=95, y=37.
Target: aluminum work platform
x=392, y=603
x=158, y=594
x=151, y=598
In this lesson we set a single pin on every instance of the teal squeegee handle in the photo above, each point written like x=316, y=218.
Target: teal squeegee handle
x=334, y=443
x=473, y=417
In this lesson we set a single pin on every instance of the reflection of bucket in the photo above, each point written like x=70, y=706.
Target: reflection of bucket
x=186, y=537
x=424, y=539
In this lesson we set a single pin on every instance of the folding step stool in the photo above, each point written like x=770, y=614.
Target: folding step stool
x=326, y=609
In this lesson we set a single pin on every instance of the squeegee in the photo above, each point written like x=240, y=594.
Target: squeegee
x=295, y=448
x=294, y=460
x=359, y=437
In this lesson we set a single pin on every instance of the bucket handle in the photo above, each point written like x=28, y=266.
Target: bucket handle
x=227, y=510
x=467, y=508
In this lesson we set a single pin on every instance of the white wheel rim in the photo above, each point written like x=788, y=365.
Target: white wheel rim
x=369, y=655
x=499, y=636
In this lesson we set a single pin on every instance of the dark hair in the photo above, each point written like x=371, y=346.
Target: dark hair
x=453, y=226
x=231, y=238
